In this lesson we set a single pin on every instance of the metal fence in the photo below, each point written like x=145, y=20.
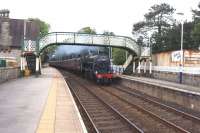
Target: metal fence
x=9, y=73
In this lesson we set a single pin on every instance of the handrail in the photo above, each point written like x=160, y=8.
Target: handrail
x=88, y=39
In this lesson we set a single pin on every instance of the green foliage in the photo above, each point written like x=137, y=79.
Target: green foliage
x=165, y=34
x=44, y=27
x=140, y=41
x=87, y=30
x=51, y=49
x=47, y=52
x=158, y=17
x=119, y=56
x=196, y=12
x=196, y=29
x=172, y=36
x=157, y=21
x=196, y=35
x=108, y=33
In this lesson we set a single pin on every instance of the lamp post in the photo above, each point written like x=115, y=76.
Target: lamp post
x=181, y=62
x=150, y=61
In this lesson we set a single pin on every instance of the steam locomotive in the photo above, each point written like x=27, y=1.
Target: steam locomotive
x=96, y=67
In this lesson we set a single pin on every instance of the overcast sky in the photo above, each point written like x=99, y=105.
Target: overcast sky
x=117, y=16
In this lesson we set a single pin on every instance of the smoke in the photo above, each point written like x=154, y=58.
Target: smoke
x=67, y=50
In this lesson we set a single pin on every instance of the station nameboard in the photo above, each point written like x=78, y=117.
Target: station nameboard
x=176, y=56
x=188, y=55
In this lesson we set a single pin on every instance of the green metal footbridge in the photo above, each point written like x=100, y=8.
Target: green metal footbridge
x=73, y=38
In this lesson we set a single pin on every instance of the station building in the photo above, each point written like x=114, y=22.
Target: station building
x=12, y=34
x=166, y=66
x=191, y=58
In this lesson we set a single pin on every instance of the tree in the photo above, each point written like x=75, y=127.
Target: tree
x=172, y=38
x=157, y=20
x=196, y=29
x=44, y=27
x=108, y=33
x=196, y=35
x=87, y=30
x=119, y=56
x=196, y=12
x=140, y=41
x=108, y=49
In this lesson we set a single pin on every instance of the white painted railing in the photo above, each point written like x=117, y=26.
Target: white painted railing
x=117, y=69
x=188, y=70
x=128, y=61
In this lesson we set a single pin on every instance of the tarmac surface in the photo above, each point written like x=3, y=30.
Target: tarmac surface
x=30, y=104
x=21, y=104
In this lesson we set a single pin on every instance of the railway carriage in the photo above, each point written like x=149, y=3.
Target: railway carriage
x=95, y=67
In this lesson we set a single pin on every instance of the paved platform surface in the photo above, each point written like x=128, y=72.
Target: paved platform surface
x=42, y=105
x=167, y=84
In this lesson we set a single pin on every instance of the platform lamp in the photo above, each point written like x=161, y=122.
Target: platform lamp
x=181, y=52
x=150, y=48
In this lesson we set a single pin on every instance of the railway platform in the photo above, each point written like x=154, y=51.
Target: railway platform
x=185, y=96
x=39, y=105
x=170, y=85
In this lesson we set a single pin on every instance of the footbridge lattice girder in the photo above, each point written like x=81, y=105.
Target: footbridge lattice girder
x=89, y=40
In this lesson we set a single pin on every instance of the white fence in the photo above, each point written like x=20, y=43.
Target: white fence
x=188, y=70
x=117, y=69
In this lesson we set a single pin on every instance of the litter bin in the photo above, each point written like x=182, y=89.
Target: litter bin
x=27, y=72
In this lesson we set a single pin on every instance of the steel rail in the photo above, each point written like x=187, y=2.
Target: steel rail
x=131, y=124
x=184, y=114
x=84, y=109
x=170, y=124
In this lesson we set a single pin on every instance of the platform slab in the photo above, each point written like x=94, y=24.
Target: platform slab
x=170, y=85
x=24, y=101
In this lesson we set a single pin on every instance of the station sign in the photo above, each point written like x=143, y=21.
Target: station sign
x=176, y=56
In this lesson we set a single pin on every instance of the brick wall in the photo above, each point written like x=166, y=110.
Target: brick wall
x=189, y=79
x=187, y=100
x=9, y=73
x=14, y=53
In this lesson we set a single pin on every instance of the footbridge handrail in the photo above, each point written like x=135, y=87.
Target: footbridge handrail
x=71, y=38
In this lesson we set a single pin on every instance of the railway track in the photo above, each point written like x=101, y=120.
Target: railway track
x=103, y=116
x=174, y=117
x=146, y=114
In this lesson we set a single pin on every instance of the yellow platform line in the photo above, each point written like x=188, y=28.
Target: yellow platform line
x=47, y=121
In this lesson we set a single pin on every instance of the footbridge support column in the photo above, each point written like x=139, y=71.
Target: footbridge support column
x=145, y=65
x=37, y=66
x=134, y=66
x=139, y=66
x=150, y=66
x=22, y=67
